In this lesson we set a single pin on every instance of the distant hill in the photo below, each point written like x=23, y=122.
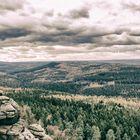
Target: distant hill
x=129, y=62
x=23, y=66
x=89, y=78
x=18, y=66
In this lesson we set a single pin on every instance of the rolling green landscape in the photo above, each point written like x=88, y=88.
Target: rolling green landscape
x=77, y=100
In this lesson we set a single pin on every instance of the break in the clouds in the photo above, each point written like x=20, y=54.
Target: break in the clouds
x=34, y=30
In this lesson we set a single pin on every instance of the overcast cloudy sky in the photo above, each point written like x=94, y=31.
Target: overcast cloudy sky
x=32, y=30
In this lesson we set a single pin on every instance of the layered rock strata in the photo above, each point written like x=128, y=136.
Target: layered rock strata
x=12, y=127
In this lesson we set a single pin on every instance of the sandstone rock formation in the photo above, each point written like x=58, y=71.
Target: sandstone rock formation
x=16, y=131
x=9, y=111
x=39, y=132
x=12, y=127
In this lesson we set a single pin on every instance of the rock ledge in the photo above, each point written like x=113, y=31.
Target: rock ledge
x=12, y=127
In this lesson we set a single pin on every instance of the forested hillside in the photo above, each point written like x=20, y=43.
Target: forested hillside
x=78, y=118
x=77, y=100
x=84, y=78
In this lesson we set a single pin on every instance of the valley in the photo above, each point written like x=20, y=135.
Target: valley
x=77, y=100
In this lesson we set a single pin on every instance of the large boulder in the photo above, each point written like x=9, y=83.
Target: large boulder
x=17, y=131
x=9, y=111
x=39, y=132
x=13, y=128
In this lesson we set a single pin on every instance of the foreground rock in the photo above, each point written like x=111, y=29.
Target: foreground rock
x=9, y=111
x=13, y=128
x=39, y=132
x=16, y=131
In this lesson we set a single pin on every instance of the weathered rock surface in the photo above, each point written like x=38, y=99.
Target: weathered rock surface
x=39, y=132
x=13, y=128
x=17, y=131
x=9, y=111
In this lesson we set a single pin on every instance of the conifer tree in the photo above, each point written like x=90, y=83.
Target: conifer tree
x=96, y=134
x=79, y=133
x=134, y=134
x=118, y=134
x=110, y=135
x=87, y=132
x=126, y=137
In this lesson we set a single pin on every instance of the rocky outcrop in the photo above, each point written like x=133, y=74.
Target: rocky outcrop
x=39, y=132
x=17, y=131
x=12, y=127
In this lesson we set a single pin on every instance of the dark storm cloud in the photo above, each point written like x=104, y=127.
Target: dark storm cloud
x=63, y=30
x=86, y=35
x=11, y=5
x=34, y=28
x=49, y=13
x=13, y=33
x=59, y=34
x=131, y=6
x=64, y=36
x=79, y=13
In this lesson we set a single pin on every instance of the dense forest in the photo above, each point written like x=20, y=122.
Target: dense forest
x=78, y=78
x=81, y=120
x=77, y=100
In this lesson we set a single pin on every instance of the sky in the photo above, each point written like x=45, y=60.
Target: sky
x=59, y=30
